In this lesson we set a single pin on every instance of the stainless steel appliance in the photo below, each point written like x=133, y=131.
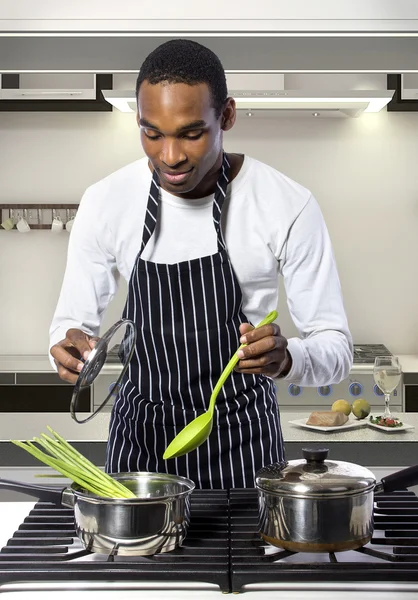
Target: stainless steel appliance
x=154, y=521
x=38, y=392
x=359, y=384
x=222, y=548
x=318, y=505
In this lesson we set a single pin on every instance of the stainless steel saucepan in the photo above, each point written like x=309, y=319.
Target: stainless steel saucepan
x=319, y=505
x=154, y=522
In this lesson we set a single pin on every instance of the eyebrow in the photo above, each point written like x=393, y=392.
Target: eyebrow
x=190, y=126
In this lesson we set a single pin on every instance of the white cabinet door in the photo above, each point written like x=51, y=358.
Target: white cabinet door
x=217, y=15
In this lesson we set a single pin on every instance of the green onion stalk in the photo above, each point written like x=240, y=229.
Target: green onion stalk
x=65, y=459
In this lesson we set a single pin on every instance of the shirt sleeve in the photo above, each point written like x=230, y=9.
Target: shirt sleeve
x=324, y=352
x=91, y=277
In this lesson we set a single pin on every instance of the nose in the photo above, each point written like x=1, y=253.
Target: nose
x=172, y=153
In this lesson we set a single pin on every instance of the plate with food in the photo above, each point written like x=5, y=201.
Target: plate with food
x=388, y=425
x=329, y=420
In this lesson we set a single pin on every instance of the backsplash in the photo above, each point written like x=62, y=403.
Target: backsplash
x=362, y=172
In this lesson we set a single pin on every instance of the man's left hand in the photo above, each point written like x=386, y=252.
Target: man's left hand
x=266, y=351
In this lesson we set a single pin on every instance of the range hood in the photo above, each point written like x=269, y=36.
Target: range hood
x=340, y=103
x=255, y=94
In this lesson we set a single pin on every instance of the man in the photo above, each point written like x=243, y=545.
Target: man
x=202, y=237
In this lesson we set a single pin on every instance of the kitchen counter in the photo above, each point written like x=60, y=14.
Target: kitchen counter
x=38, y=363
x=364, y=445
x=22, y=363
x=11, y=363
x=96, y=430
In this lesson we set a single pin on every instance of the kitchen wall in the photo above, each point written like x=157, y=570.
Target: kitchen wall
x=362, y=171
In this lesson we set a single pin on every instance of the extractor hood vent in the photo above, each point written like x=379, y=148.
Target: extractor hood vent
x=350, y=103
x=54, y=92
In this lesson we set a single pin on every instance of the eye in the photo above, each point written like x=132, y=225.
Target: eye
x=193, y=136
x=152, y=135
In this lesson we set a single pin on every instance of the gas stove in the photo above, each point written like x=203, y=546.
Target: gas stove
x=391, y=556
x=359, y=384
x=222, y=549
x=366, y=353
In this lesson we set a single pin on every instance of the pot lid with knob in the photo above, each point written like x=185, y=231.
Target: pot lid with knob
x=314, y=476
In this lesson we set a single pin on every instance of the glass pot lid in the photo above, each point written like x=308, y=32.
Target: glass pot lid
x=314, y=476
x=111, y=356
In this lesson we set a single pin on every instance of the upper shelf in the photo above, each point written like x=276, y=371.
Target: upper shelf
x=37, y=216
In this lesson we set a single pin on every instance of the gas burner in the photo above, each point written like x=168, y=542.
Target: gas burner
x=366, y=353
x=371, y=552
x=391, y=555
x=223, y=547
x=46, y=549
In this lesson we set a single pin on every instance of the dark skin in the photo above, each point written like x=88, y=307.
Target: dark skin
x=183, y=139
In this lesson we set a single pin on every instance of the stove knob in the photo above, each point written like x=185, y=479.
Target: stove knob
x=294, y=390
x=113, y=389
x=325, y=390
x=355, y=389
x=378, y=391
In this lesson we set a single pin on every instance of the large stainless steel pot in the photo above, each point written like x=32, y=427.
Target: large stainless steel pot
x=156, y=521
x=318, y=505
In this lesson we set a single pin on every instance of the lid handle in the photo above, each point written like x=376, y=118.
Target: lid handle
x=315, y=454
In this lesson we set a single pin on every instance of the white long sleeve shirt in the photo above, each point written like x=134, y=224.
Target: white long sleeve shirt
x=272, y=227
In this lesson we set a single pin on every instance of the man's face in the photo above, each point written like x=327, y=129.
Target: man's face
x=180, y=135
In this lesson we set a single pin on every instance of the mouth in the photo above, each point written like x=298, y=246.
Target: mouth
x=176, y=178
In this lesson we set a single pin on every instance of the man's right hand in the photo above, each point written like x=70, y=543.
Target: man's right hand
x=70, y=353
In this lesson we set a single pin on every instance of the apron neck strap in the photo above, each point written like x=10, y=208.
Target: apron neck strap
x=151, y=213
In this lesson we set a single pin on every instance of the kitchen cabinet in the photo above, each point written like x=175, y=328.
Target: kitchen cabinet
x=299, y=15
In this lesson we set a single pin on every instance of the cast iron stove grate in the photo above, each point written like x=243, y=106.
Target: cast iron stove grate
x=392, y=554
x=45, y=549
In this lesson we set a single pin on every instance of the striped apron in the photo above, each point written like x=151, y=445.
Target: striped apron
x=188, y=317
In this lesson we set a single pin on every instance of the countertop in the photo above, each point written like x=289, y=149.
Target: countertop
x=32, y=424
x=11, y=363
x=40, y=362
x=363, y=445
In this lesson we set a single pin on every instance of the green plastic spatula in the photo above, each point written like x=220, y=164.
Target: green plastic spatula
x=198, y=430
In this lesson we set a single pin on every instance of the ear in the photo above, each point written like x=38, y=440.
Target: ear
x=228, y=115
x=137, y=117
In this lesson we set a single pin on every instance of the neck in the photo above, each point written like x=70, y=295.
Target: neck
x=208, y=184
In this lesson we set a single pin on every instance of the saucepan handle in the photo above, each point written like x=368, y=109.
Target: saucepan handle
x=44, y=493
x=399, y=480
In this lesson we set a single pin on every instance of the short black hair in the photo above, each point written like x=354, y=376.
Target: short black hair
x=185, y=61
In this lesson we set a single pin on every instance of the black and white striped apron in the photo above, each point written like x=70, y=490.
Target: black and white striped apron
x=188, y=316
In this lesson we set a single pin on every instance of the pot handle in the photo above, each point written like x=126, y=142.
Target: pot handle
x=44, y=493
x=399, y=480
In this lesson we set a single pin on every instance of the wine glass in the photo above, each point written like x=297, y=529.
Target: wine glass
x=387, y=374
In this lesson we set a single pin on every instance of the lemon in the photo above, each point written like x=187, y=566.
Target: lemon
x=342, y=406
x=361, y=408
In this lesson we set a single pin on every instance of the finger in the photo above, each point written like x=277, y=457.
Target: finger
x=275, y=357
x=64, y=359
x=79, y=340
x=93, y=342
x=245, y=328
x=271, y=370
x=272, y=329
x=263, y=346
x=67, y=375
